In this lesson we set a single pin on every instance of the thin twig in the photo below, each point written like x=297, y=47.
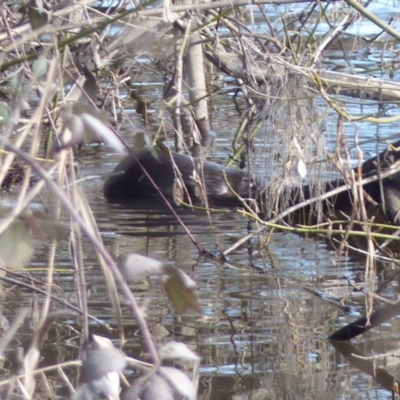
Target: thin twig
x=134, y=306
x=390, y=171
x=53, y=297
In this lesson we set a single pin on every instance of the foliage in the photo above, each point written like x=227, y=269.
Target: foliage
x=65, y=73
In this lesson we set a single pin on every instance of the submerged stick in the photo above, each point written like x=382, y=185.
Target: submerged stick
x=355, y=358
x=364, y=324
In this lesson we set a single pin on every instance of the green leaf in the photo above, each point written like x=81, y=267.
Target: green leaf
x=140, y=142
x=39, y=67
x=36, y=18
x=4, y=113
x=154, y=152
x=16, y=84
x=16, y=246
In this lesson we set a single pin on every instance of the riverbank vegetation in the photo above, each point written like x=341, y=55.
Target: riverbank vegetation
x=71, y=73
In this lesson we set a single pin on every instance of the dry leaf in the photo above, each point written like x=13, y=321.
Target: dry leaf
x=181, y=291
x=180, y=382
x=136, y=266
x=177, y=351
x=16, y=246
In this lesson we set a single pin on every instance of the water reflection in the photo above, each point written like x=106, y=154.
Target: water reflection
x=259, y=330
x=261, y=335
x=367, y=364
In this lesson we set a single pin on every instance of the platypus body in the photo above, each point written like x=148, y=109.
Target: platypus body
x=178, y=177
x=192, y=180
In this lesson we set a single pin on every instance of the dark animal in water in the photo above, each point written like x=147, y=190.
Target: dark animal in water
x=179, y=177
x=385, y=192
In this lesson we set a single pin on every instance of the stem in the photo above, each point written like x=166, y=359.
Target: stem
x=135, y=309
x=372, y=17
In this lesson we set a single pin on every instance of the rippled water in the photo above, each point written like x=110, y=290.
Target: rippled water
x=261, y=335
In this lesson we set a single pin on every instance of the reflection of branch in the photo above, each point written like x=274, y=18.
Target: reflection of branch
x=252, y=215
x=323, y=297
x=376, y=356
x=53, y=297
x=357, y=359
x=98, y=245
x=199, y=247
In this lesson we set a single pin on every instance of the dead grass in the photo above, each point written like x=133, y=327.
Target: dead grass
x=72, y=56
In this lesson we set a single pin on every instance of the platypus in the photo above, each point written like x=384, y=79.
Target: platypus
x=179, y=177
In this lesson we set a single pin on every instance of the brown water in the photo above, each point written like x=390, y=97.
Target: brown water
x=261, y=334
